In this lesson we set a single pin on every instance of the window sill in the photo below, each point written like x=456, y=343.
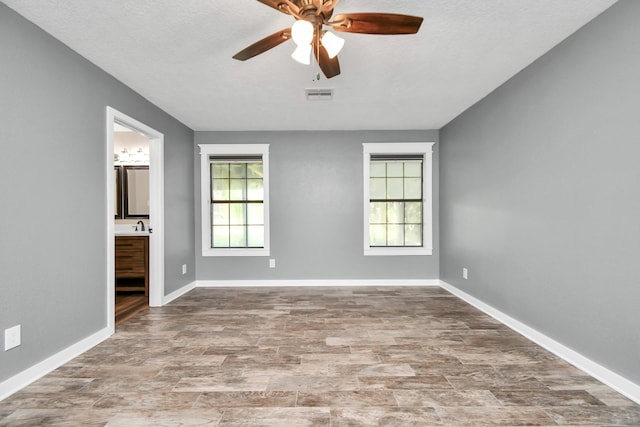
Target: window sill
x=236, y=252
x=397, y=251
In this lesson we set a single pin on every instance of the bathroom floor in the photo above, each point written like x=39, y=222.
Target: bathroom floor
x=317, y=357
x=128, y=304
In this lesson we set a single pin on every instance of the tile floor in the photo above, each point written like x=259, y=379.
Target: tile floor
x=317, y=357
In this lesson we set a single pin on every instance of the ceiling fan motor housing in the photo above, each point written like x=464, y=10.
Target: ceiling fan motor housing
x=309, y=10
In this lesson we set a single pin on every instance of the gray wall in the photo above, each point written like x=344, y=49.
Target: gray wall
x=540, y=195
x=316, y=210
x=52, y=182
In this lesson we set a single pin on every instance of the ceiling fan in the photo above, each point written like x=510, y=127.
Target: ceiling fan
x=308, y=33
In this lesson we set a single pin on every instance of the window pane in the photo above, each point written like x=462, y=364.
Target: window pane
x=413, y=212
x=220, y=237
x=238, y=170
x=237, y=236
x=377, y=213
x=377, y=188
x=254, y=170
x=255, y=214
x=238, y=196
x=237, y=189
x=236, y=214
x=395, y=212
x=413, y=188
x=394, y=188
x=255, y=189
x=220, y=189
x=220, y=214
x=395, y=169
x=377, y=235
x=396, y=196
x=412, y=235
x=255, y=236
x=377, y=169
x=220, y=170
x=395, y=235
x=413, y=169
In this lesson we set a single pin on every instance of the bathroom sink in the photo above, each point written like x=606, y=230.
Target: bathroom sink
x=132, y=233
x=130, y=230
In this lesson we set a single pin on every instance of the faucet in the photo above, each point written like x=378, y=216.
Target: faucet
x=141, y=225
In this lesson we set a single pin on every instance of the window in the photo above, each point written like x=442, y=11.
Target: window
x=397, y=199
x=235, y=199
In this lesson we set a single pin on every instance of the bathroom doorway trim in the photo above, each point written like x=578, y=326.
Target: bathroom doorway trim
x=156, y=210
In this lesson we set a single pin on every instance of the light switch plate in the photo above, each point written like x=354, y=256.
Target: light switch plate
x=12, y=338
x=272, y=263
x=465, y=273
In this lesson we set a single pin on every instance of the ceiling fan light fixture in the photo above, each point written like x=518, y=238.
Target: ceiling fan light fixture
x=302, y=32
x=311, y=17
x=332, y=43
x=302, y=54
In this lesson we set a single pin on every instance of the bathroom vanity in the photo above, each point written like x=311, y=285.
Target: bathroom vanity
x=132, y=263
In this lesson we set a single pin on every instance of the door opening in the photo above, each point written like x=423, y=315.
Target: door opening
x=130, y=208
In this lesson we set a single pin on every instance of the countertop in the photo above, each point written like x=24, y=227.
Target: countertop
x=129, y=230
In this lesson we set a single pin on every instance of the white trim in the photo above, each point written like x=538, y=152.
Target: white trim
x=235, y=251
x=599, y=372
x=39, y=370
x=111, y=252
x=178, y=293
x=231, y=149
x=425, y=148
x=399, y=251
x=156, y=209
x=156, y=206
x=311, y=283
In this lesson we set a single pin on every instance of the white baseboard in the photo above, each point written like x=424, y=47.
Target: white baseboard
x=178, y=293
x=26, y=377
x=599, y=372
x=310, y=283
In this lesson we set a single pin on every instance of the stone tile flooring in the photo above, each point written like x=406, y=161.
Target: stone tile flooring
x=317, y=357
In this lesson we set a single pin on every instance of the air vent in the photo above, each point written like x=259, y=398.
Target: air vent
x=319, y=94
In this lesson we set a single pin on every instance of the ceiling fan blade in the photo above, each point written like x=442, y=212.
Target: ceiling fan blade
x=283, y=6
x=263, y=45
x=330, y=66
x=376, y=23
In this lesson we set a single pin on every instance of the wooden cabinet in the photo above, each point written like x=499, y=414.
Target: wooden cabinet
x=132, y=263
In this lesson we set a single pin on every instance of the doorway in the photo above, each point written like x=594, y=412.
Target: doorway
x=155, y=221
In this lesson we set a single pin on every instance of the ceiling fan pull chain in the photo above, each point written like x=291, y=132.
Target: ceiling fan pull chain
x=316, y=64
x=316, y=71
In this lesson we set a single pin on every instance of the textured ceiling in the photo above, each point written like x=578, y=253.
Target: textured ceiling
x=177, y=54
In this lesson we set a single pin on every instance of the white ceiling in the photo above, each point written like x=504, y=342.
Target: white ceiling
x=177, y=54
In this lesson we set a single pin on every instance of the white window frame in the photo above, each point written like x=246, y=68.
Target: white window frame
x=207, y=150
x=425, y=149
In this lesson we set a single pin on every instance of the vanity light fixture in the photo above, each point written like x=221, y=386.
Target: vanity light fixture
x=139, y=155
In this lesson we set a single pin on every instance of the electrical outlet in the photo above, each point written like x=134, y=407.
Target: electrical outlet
x=12, y=337
x=184, y=268
x=272, y=263
x=465, y=273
